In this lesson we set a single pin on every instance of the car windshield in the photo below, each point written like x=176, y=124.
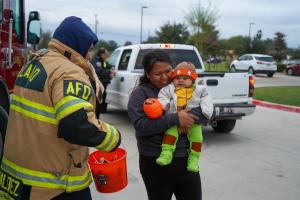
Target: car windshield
x=294, y=62
x=265, y=59
x=177, y=56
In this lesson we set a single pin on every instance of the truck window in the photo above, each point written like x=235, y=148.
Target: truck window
x=16, y=6
x=125, y=59
x=113, y=58
x=177, y=56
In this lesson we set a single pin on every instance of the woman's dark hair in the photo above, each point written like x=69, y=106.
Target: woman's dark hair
x=150, y=59
x=101, y=51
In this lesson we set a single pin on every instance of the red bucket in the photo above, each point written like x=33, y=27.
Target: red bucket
x=109, y=170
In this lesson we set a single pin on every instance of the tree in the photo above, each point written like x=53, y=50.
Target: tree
x=258, y=45
x=236, y=43
x=127, y=43
x=176, y=33
x=202, y=21
x=152, y=39
x=294, y=53
x=280, y=48
x=200, y=18
x=45, y=39
x=110, y=45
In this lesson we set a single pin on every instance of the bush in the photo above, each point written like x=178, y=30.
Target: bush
x=281, y=67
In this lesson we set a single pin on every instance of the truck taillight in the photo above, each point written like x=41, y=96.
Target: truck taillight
x=251, y=86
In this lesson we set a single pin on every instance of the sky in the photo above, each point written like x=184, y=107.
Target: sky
x=120, y=20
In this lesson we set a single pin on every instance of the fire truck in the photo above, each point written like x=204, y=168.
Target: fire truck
x=14, y=37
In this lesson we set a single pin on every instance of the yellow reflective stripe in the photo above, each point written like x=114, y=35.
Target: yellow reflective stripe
x=42, y=179
x=106, y=139
x=77, y=187
x=110, y=139
x=33, y=110
x=33, y=104
x=33, y=115
x=115, y=139
x=70, y=104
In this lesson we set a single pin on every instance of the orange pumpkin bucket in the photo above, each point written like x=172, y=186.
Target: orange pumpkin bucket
x=152, y=108
x=109, y=170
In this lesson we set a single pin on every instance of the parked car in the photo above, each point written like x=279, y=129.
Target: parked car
x=255, y=64
x=213, y=60
x=231, y=92
x=293, y=68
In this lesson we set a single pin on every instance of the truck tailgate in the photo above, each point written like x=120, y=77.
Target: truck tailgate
x=229, y=86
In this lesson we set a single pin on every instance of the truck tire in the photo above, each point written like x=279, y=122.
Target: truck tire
x=3, y=124
x=224, y=126
x=1, y=146
x=4, y=96
x=270, y=75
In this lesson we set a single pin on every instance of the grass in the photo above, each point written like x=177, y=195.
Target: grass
x=223, y=66
x=282, y=95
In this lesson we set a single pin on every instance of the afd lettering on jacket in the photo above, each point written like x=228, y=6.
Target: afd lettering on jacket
x=78, y=89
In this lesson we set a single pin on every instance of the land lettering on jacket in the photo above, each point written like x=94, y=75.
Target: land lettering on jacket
x=78, y=89
x=33, y=76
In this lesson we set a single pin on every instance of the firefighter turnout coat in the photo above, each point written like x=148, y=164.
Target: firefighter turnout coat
x=51, y=124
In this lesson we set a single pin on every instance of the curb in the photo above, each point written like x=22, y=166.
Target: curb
x=276, y=106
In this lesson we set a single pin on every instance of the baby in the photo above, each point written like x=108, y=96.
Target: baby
x=182, y=94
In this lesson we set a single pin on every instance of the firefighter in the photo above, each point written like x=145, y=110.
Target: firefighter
x=105, y=73
x=52, y=121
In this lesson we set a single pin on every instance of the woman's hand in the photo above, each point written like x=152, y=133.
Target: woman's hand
x=183, y=130
x=186, y=120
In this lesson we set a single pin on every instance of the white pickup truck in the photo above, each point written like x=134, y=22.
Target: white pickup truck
x=231, y=92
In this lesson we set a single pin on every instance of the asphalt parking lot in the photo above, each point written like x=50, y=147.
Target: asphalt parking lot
x=259, y=160
x=279, y=79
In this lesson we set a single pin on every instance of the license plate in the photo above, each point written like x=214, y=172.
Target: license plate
x=10, y=185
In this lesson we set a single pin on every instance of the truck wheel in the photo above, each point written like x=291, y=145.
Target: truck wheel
x=1, y=146
x=270, y=75
x=3, y=122
x=224, y=126
x=4, y=96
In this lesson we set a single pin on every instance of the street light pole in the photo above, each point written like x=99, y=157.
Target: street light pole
x=250, y=24
x=141, y=32
x=96, y=24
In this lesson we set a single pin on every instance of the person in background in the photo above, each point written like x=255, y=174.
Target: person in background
x=105, y=73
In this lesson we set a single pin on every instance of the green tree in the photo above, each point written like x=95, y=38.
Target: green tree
x=127, y=43
x=110, y=45
x=45, y=39
x=258, y=45
x=280, y=47
x=176, y=33
x=236, y=43
x=152, y=39
x=202, y=20
x=294, y=53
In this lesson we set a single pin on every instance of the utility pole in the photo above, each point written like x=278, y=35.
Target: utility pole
x=96, y=24
x=250, y=24
x=141, y=32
